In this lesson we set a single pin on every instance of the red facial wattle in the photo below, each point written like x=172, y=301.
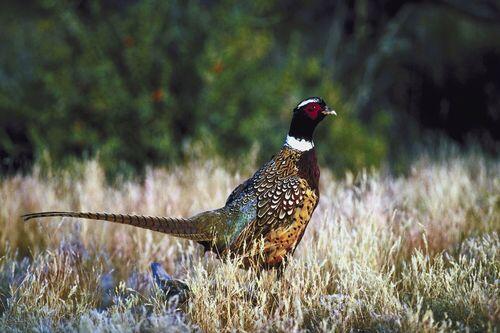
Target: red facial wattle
x=312, y=110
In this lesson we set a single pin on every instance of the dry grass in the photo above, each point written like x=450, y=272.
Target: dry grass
x=415, y=253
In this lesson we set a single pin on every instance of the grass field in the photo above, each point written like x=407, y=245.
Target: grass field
x=414, y=253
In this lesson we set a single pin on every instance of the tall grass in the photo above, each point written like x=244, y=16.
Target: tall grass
x=382, y=253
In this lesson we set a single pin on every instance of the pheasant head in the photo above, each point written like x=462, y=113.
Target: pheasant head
x=306, y=116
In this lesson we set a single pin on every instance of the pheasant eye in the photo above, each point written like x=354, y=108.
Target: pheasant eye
x=312, y=110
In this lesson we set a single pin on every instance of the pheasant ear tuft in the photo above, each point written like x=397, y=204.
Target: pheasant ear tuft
x=307, y=101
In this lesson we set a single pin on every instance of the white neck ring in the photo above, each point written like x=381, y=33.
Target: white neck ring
x=299, y=144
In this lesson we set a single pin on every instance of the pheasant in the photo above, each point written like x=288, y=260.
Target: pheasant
x=265, y=217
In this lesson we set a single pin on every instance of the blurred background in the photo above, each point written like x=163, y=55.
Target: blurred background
x=138, y=83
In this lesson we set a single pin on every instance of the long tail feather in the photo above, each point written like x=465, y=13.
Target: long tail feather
x=178, y=227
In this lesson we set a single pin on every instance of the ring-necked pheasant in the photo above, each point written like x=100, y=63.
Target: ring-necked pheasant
x=265, y=217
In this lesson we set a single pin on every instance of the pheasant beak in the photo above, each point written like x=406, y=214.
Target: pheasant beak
x=328, y=111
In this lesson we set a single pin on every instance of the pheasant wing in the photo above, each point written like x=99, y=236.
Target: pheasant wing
x=278, y=192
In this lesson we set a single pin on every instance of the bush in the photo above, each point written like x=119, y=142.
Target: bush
x=141, y=84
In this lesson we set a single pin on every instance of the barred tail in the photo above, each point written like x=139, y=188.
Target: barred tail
x=179, y=227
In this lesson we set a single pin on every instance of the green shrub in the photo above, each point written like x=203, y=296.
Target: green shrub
x=141, y=84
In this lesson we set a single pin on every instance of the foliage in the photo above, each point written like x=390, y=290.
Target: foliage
x=143, y=82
